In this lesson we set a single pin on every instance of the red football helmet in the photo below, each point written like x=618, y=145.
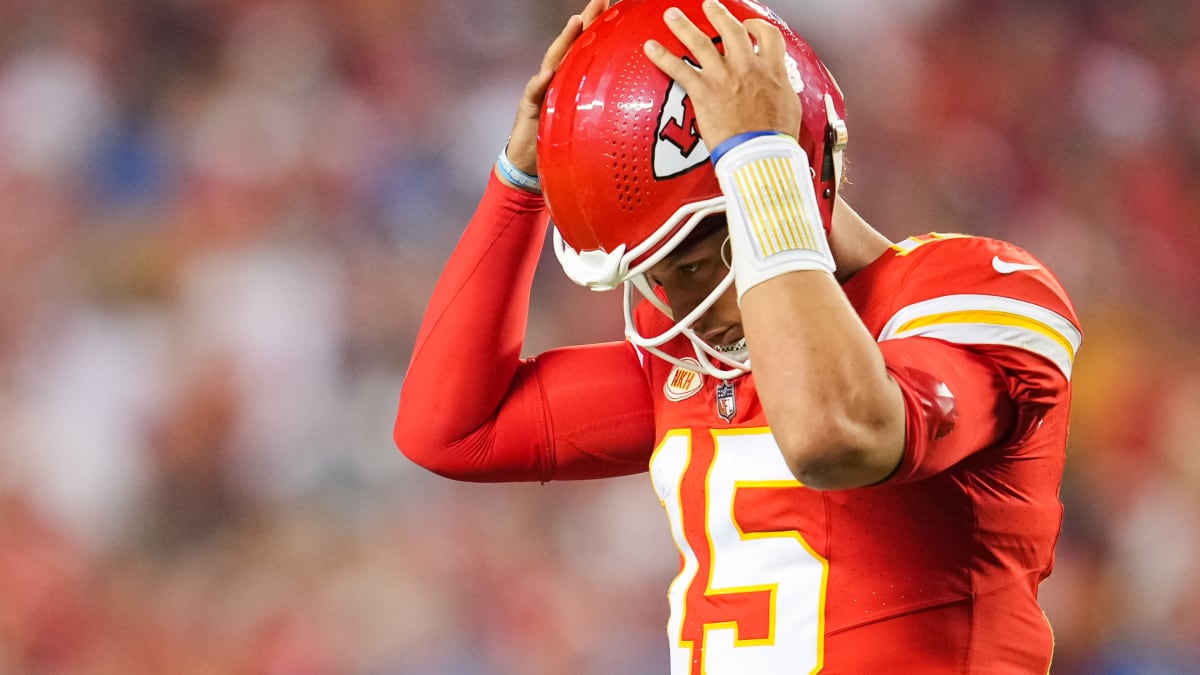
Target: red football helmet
x=625, y=172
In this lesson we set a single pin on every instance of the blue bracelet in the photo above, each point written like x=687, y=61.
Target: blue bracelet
x=734, y=141
x=516, y=176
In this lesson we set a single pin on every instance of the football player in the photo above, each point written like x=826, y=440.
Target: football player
x=858, y=444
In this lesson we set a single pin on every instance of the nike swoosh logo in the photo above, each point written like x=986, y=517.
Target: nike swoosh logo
x=1006, y=267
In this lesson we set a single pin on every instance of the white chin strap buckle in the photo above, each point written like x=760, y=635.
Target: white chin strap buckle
x=595, y=269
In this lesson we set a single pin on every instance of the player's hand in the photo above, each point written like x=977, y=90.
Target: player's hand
x=522, y=146
x=745, y=89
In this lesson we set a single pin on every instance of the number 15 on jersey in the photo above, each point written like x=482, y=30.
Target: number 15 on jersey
x=750, y=594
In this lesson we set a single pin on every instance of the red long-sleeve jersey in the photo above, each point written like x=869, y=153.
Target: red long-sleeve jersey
x=935, y=570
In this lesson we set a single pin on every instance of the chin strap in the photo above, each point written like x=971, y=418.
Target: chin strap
x=839, y=136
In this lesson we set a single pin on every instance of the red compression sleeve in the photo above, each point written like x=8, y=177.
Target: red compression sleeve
x=472, y=409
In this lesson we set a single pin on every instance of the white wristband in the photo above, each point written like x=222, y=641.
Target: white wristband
x=774, y=223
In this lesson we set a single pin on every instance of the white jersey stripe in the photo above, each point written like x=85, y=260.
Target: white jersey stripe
x=989, y=319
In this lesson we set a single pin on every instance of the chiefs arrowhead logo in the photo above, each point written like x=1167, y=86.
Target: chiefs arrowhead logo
x=678, y=147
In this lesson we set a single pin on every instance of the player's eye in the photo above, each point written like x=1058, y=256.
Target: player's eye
x=689, y=268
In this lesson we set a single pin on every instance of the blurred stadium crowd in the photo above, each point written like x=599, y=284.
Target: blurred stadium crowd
x=220, y=223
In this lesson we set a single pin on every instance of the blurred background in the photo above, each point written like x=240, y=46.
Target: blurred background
x=220, y=222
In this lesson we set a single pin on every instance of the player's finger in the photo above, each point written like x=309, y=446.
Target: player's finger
x=535, y=91
x=672, y=65
x=733, y=34
x=593, y=10
x=558, y=48
x=700, y=45
x=767, y=37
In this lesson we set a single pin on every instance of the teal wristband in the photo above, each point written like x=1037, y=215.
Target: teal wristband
x=734, y=141
x=516, y=176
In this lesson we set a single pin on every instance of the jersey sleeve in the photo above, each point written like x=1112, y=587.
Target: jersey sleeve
x=982, y=342
x=472, y=409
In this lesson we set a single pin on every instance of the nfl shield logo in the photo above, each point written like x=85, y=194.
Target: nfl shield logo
x=726, y=403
